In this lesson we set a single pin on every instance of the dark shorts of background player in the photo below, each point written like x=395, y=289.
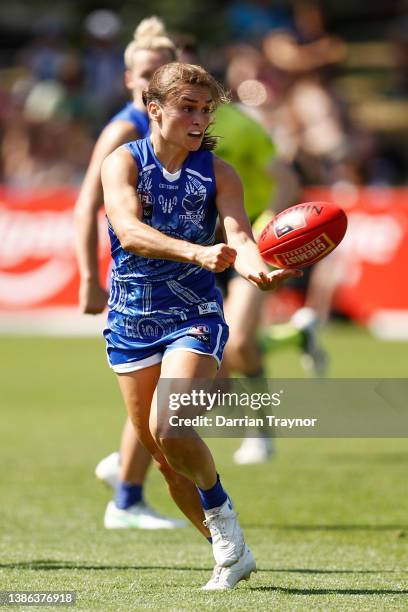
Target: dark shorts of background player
x=222, y=279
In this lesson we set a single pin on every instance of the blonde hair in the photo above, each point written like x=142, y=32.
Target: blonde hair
x=168, y=80
x=149, y=35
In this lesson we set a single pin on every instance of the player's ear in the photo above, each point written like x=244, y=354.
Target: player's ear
x=128, y=78
x=154, y=110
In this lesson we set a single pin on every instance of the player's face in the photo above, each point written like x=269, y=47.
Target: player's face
x=145, y=62
x=183, y=120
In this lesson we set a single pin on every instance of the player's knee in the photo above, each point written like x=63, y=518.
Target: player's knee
x=171, y=476
x=174, y=452
x=172, y=443
x=159, y=431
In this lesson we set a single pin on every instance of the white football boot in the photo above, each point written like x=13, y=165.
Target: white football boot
x=138, y=516
x=224, y=578
x=107, y=470
x=254, y=450
x=314, y=359
x=227, y=537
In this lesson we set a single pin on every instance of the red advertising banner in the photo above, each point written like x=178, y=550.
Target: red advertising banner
x=37, y=254
x=38, y=271
x=373, y=258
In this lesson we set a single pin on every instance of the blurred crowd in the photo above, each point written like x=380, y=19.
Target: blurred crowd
x=284, y=67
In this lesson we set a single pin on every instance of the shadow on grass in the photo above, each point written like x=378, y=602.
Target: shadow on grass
x=396, y=528
x=53, y=564
x=288, y=570
x=290, y=591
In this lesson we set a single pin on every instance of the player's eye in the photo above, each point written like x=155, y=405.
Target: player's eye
x=187, y=109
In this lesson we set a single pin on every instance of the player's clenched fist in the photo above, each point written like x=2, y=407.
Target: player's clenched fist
x=216, y=258
x=92, y=298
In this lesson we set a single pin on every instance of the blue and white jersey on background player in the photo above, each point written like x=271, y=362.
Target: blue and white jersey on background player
x=157, y=305
x=137, y=118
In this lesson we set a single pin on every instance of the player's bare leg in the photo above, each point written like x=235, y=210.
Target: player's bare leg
x=243, y=311
x=129, y=508
x=134, y=458
x=138, y=390
x=190, y=456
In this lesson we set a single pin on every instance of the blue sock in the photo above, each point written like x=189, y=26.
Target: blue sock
x=128, y=494
x=214, y=497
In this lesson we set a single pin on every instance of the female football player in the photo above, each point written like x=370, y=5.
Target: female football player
x=162, y=196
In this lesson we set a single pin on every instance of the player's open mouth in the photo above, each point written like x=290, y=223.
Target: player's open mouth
x=195, y=134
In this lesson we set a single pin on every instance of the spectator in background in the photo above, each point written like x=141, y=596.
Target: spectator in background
x=317, y=143
x=46, y=53
x=46, y=152
x=103, y=64
x=45, y=142
x=399, y=36
x=305, y=45
x=249, y=21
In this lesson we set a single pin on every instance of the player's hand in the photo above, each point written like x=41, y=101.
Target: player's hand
x=272, y=280
x=216, y=258
x=92, y=297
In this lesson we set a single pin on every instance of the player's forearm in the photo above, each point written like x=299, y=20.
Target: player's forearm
x=86, y=242
x=146, y=241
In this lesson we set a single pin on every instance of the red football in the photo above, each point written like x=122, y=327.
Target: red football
x=302, y=234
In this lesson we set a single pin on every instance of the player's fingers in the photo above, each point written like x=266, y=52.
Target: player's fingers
x=285, y=273
x=255, y=278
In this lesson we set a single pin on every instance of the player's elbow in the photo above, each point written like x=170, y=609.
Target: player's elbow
x=126, y=239
x=130, y=239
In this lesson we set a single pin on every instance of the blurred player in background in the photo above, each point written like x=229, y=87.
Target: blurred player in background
x=150, y=48
x=246, y=145
x=162, y=197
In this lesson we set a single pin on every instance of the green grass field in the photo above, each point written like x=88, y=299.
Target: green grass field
x=326, y=519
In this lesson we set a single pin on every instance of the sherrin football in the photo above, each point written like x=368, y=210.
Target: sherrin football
x=302, y=234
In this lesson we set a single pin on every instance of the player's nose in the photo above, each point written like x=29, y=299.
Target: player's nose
x=198, y=119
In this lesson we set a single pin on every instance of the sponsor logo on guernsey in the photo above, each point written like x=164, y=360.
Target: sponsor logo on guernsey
x=147, y=202
x=308, y=253
x=207, y=308
x=289, y=222
x=200, y=332
x=167, y=186
x=144, y=190
x=193, y=201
